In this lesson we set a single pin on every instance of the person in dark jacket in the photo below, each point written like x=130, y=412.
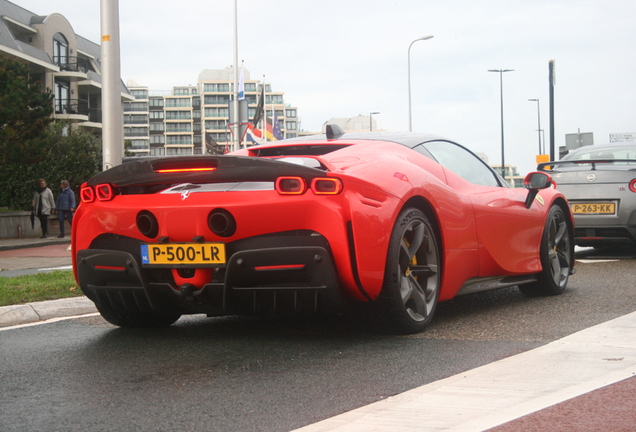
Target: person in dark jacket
x=65, y=205
x=43, y=204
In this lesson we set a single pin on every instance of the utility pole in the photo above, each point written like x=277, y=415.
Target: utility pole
x=551, y=83
x=112, y=116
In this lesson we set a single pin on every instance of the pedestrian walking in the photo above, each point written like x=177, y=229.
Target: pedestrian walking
x=65, y=206
x=43, y=204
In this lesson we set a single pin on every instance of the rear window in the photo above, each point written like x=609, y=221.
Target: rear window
x=603, y=153
x=297, y=150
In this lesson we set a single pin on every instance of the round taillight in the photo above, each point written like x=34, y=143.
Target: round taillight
x=632, y=185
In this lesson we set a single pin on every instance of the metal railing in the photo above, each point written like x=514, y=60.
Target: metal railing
x=72, y=106
x=72, y=64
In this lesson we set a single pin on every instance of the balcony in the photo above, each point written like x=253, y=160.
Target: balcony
x=72, y=67
x=78, y=111
x=72, y=64
x=72, y=107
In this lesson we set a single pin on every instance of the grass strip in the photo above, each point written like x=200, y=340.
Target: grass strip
x=38, y=287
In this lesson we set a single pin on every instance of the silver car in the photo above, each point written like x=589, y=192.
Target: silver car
x=599, y=181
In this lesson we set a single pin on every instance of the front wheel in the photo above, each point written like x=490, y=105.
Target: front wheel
x=412, y=278
x=557, y=256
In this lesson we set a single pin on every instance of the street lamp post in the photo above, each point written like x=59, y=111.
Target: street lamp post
x=409, y=76
x=501, y=71
x=371, y=120
x=538, y=121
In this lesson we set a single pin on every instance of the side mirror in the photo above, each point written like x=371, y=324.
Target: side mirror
x=534, y=182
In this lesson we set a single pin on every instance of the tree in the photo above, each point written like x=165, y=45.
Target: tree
x=72, y=154
x=25, y=112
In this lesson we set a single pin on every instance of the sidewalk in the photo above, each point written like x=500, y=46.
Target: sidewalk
x=18, y=256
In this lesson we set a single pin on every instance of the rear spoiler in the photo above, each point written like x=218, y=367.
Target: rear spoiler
x=200, y=169
x=551, y=166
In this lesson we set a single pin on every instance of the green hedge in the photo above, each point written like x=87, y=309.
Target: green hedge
x=73, y=155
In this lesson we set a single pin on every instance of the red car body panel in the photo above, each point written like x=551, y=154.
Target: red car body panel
x=484, y=231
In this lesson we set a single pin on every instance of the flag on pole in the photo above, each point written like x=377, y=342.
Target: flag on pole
x=258, y=115
x=254, y=135
x=277, y=132
x=241, y=83
x=273, y=131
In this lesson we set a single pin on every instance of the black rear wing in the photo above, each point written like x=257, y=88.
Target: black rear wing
x=200, y=169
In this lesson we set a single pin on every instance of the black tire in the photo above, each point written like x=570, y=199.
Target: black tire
x=557, y=256
x=412, y=278
x=136, y=319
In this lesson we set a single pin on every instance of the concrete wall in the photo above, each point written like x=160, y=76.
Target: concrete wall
x=10, y=223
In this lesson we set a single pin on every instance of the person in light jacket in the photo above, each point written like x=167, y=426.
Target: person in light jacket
x=65, y=205
x=43, y=203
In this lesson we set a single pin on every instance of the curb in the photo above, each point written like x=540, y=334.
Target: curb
x=41, y=311
x=30, y=243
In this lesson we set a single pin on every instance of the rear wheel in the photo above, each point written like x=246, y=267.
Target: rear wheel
x=136, y=319
x=557, y=256
x=412, y=278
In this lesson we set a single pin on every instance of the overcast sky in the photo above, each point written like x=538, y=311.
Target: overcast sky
x=341, y=58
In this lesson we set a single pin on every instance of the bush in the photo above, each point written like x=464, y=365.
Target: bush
x=73, y=155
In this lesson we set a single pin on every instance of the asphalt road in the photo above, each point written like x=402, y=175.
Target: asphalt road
x=267, y=375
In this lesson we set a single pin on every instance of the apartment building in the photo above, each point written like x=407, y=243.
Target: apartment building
x=193, y=119
x=62, y=61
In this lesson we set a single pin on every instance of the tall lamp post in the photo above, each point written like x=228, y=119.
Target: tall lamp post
x=501, y=71
x=409, y=76
x=538, y=122
x=371, y=120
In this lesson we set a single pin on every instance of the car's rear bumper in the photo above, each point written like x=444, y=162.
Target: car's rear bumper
x=288, y=275
x=605, y=236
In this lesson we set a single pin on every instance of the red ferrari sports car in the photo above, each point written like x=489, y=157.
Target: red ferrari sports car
x=397, y=221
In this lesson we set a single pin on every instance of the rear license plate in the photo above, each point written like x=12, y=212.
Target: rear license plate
x=183, y=254
x=593, y=208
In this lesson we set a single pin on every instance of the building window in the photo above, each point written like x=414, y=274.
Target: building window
x=157, y=151
x=215, y=124
x=156, y=127
x=178, y=127
x=135, y=106
x=217, y=112
x=135, y=131
x=178, y=102
x=178, y=115
x=135, y=119
x=62, y=97
x=216, y=99
x=290, y=113
x=290, y=125
x=156, y=102
x=179, y=151
x=60, y=51
x=216, y=87
x=157, y=139
x=274, y=99
x=139, y=94
x=178, y=139
x=138, y=144
x=154, y=115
